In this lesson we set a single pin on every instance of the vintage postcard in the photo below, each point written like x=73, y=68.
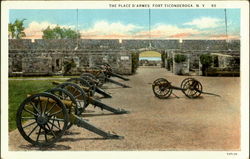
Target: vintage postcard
x=108, y=79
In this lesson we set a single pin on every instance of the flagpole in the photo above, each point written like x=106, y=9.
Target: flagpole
x=226, y=26
x=77, y=29
x=149, y=27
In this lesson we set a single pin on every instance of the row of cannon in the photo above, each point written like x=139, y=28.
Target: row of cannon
x=43, y=118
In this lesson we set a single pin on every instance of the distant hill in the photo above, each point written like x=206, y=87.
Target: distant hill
x=150, y=54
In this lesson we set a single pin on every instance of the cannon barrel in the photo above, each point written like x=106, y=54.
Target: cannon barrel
x=96, y=103
x=117, y=83
x=117, y=75
x=84, y=124
x=106, y=107
x=98, y=90
x=102, y=92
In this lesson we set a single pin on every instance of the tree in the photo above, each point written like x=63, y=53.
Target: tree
x=16, y=29
x=206, y=61
x=60, y=33
x=68, y=65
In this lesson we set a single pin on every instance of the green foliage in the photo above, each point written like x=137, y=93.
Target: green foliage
x=60, y=33
x=18, y=90
x=163, y=57
x=206, y=60
x=16, y=29
x=170, y=61
x=180, y=58
x=135, y=62
x=68, y=65
x=235, y=63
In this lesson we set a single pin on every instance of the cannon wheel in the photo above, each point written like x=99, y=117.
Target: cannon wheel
x=84, y=83
x=90, y=81
x=62, y=94
x=185, y=80
x=161, y=88
x=78, y=93
x=101, y=77
x=107, y=68
x=192, y=87
x=42, y=122
x=100, y=82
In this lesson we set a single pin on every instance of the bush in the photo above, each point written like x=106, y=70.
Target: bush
x=68, y=65
x=180, y=58
x=135, y=62
x=163, y=57
x=206, y=61
x=170, y=61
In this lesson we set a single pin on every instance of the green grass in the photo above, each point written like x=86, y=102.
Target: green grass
x=30, y=77
x=150, y=54
x=18, y=91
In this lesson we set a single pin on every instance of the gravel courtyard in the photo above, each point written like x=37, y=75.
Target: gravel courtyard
x=206, y=123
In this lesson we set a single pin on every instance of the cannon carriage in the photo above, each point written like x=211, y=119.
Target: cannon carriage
x=102, y=74
x=43, y=118
x=191, y=87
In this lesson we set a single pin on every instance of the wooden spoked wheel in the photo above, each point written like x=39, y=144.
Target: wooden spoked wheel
x=78, y=93
x=84, y=83
x=67, y=99
x=162, y=88
x=192, y=88
x=42, y=119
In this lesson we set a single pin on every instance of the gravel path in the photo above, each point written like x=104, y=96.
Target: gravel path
x=206, y=123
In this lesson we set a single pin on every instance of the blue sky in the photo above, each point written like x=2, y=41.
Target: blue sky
x=134, y=23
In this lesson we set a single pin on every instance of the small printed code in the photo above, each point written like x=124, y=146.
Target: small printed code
x=232, y=153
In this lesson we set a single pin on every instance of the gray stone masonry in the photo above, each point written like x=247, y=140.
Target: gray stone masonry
x=181, y=68
x=52, y=63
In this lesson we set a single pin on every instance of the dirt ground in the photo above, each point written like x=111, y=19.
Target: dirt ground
x=206, y=123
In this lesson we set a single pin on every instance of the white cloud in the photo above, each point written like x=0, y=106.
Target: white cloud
x=106, y=28
x=35, y=29
x=205, y=22
x=118, y=30
x=170, y=31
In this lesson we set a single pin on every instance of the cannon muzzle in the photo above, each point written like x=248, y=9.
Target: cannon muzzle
x=106, y=107
x=84, y=124
x=102, y=92
x=117, y=83
x=119, y=76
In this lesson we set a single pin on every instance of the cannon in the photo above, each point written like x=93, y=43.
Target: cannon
x=108, y=71
x=94, y=83
x=43, y=118
x=191, y=87
x=102, y=74
x=89, y=85
x=84, y=97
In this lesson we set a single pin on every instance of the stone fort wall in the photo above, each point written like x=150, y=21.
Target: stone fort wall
x=47, y=57
x=35, y=62
x=66, y=44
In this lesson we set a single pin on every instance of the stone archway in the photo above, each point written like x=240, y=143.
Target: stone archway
x=151, y=57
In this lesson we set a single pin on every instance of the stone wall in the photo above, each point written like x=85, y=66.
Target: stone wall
x=35, y=62
x=37, y=65
x=181, y=68
x=71, y=44
x=93, y=52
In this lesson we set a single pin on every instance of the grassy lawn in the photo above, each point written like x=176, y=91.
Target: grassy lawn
x=30, y=77
x=150, y=54
x=18, y=91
